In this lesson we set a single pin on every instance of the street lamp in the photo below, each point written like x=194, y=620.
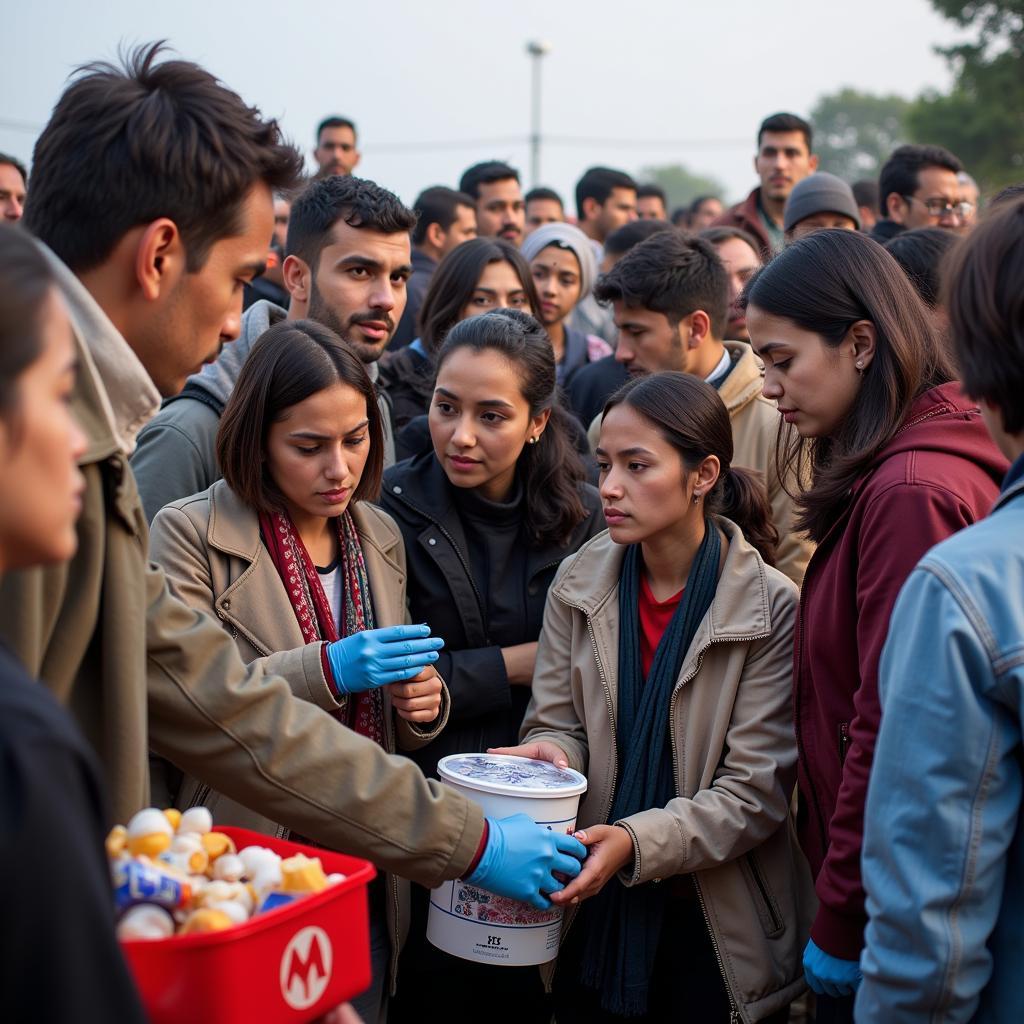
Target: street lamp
x=537, y=49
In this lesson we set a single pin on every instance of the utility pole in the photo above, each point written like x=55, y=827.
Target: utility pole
x=537, y=49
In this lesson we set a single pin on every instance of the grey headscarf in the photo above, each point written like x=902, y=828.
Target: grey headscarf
x=565, y=236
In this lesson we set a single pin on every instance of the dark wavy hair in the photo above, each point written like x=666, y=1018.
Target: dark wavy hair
x=149, y=138
x=984, y=293
x=825, y=283
x=455, y=280
x=551, y=470
x=691, y=416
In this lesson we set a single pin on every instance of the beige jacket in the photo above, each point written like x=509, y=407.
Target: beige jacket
x=140, y=669
x=209, y=546
x=734, y=755
x=755, y=428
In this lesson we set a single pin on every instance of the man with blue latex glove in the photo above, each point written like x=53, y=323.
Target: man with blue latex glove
x=376, y=657
x=520, y=858
x=828, y=975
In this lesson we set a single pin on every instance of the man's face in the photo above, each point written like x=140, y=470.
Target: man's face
x=706, y=214
x=618, y=209
x=358, y=289
x=648, y=342
x=12, y=193
x=970, y=196
x=200, y=311
x=651, y=208
x=336, y=151
x=543, y=211
x=500, y=211
x=818, y=222
x=740, y=262
x=934, y=203
x=462, y=229
x=282, y=210
x=782, y=160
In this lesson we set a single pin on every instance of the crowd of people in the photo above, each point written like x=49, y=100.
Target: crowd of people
x=723, y=507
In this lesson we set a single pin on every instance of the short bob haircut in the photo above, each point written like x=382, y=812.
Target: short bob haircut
x=291, y=361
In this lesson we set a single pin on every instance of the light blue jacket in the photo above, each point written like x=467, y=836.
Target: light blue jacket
x=943, y=857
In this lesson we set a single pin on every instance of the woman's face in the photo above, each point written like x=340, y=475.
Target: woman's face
x=317, y=450
x=480, y=422
x=499, y=287
x=814, y=384
x=556, y=276
x=40, y=445
x=645, y=488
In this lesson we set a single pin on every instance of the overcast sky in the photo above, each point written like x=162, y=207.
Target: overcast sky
x=434, y=87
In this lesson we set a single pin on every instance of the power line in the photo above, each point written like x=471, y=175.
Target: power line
x=554, y=140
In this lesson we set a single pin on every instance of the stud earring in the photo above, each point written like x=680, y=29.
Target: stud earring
x=533, y=440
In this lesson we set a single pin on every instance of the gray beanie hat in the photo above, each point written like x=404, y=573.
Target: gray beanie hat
x=564, y=236
x=820, y=193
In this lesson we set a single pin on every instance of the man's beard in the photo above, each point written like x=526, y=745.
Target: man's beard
x=324, y=314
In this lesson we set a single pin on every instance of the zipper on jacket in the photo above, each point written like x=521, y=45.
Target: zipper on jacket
x=458, y=553
x=615, y=761
x=733, y=1012
x=844, y=742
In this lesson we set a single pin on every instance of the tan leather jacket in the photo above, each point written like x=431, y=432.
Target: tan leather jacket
x=734, y=755
x=140, y=669
x=209, y=545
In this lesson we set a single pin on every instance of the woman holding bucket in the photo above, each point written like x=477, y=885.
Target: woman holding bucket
x=487, y=513
x=664, y=675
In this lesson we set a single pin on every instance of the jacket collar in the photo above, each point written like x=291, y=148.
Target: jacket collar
x=235, y=530
x=745, y=379
x=114, y=396
x=739, y=611
x=1013, y=486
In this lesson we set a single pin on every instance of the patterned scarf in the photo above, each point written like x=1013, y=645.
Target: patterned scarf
x=365, y=711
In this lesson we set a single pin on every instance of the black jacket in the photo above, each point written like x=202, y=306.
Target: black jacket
x=408, y=380
x=885, y=229
x=592, y=385
x=486, y=710
x=423, y=268
x=59, y=959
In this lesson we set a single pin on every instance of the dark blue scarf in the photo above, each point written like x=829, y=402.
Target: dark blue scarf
x=624, y=924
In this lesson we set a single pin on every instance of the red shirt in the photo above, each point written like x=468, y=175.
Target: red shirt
x=654, y=619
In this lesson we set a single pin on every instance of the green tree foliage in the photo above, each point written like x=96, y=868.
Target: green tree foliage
x=854, y=132
x=982, y=119
x=681, y=185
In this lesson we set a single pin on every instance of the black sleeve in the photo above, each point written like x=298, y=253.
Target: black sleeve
x=477, y=682
x=59, y=957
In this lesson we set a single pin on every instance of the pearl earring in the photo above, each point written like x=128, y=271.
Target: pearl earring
x=533, y=440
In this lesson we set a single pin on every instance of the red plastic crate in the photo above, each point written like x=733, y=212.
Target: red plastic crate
x=288, y=966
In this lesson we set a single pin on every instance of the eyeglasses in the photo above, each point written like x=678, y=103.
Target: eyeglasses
x=939, y=207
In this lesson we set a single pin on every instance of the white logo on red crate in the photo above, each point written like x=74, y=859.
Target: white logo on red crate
x=306, y=968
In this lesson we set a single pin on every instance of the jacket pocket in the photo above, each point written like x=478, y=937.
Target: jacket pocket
x=844, y=741
x=764, y=902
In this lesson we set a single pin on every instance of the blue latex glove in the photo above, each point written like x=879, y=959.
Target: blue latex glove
x=376, y=657
x=520, y=858
x=828, y=975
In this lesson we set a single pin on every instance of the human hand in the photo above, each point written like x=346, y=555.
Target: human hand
x=827, y=975
x=609, y=850
x=418, y=699
x=376, y=657
x=521, y=857
x=542, y=750
x=520, y=660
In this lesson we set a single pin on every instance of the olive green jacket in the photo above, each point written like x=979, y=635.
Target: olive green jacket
x=140, y=669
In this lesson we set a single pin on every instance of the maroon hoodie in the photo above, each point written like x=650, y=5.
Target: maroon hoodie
x=939, y=474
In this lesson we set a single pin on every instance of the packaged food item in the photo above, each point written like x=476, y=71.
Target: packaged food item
x=137, y=882
x=192, y=878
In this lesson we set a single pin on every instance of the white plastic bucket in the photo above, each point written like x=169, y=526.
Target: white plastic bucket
x=473, y=923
